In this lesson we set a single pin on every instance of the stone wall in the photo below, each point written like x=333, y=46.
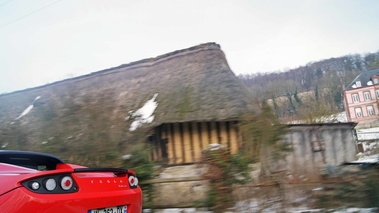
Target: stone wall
x=348, y=186
x=177, y=186
x=293, y=183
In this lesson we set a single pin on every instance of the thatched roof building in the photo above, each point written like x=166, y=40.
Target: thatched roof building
x=192, y=85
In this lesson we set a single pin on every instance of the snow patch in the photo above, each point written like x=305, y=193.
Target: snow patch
x=144, y=114
x=215, y=146
x=368, y=159
x=335, y=118
x=28, y=109
x=126, y=157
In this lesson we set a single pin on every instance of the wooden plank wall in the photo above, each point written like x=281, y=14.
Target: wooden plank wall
x=186, y=141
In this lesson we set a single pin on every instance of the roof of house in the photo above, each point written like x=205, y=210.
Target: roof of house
x=193, y=84
x=364, y=78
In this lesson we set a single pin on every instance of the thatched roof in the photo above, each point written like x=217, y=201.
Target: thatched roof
x=83, y=119
x=194, y=84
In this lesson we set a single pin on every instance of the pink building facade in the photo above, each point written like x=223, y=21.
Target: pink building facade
x=361, y=98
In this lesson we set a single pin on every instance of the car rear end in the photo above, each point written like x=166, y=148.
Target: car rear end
x=70, y=188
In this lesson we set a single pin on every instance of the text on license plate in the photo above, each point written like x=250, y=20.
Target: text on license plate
x=116, y=209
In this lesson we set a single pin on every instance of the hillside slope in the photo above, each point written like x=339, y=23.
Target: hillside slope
x=322, y=81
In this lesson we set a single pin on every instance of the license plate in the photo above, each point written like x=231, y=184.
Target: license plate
x=115, y=209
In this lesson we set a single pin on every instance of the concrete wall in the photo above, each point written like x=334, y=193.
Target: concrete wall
x=317, y=148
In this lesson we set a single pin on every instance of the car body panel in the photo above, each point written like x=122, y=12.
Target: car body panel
x=22, y=200
x=96, y=188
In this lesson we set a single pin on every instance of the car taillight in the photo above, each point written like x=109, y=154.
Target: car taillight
x=35, y=185
x=52, y=184
x=133, y=181
x=66, y=183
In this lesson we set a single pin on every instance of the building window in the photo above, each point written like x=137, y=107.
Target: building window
x=370, y=110
x=367, y=95
x=358, y=112
x=356, y=98
x=376, y=81
x=377, y=94
x=358, y=83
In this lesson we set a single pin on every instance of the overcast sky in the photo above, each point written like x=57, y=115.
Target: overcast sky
x=42, y=41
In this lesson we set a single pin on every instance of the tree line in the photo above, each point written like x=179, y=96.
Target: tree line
x=293, y=93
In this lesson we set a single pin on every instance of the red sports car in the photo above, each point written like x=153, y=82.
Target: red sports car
x=43, y=183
